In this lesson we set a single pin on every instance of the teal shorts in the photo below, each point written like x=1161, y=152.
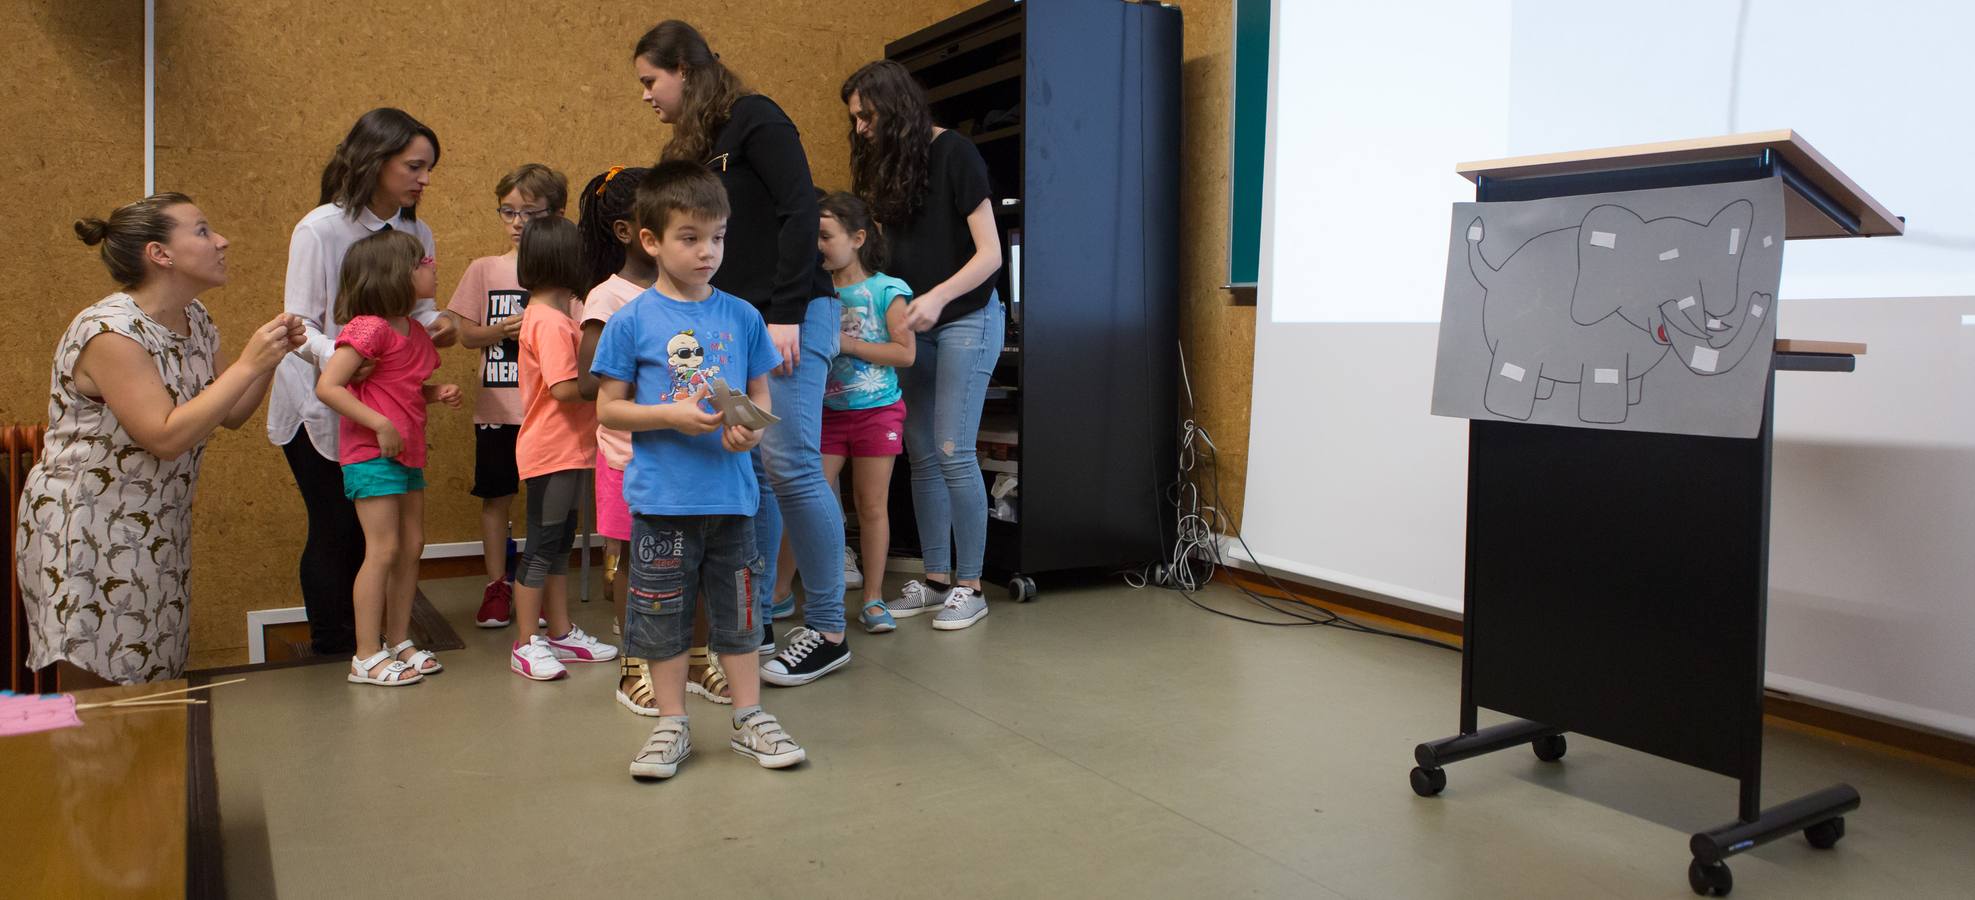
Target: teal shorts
x=381, y=477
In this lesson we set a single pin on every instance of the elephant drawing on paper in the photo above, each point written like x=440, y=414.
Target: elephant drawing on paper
x=1600, y=304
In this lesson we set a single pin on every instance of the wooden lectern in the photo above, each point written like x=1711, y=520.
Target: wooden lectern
x=1600, y=628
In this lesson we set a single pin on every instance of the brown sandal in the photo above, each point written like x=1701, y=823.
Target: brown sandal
x=642, y=699
x=712, y=681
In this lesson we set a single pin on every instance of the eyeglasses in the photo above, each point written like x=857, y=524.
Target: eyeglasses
x=510, y=214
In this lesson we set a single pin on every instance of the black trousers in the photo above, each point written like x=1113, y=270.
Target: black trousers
x=334, y=550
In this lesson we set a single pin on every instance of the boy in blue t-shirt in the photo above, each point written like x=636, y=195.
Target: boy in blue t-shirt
x=690, y=484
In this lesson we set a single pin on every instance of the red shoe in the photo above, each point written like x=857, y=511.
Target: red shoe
x=496, y=606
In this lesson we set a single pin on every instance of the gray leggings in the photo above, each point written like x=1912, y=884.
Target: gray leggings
x=553, y=500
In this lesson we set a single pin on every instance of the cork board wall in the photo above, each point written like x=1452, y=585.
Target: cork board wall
x=1219, y=336
x=252, y=97
x=254, y=94
x=72, y=133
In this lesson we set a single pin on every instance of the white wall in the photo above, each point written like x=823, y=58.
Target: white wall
x=1351, y=482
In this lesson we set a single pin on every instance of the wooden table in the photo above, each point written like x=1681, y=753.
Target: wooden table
x=106, y=810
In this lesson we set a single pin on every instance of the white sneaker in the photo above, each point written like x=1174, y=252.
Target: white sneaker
x=579, y=647
x=852, y=578
x=963, y=607
x=914, y=599
x=762, y=739
x=536, y=660
x=669, y=745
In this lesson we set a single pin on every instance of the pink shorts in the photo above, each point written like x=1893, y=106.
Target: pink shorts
x=864, y=432
x=613, y=514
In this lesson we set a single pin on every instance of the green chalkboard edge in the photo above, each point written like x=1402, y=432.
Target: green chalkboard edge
x=1247, y=140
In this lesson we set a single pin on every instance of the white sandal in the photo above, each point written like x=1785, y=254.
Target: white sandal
x=418, y=660
x=397, y=674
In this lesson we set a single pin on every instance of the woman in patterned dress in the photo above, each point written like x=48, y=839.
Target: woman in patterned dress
x=104, y=547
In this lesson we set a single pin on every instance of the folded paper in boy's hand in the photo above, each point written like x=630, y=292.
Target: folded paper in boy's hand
x=735, y=407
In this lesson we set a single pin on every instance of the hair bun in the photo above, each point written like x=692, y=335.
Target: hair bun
x=92, y=230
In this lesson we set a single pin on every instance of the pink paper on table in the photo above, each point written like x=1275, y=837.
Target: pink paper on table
x=29, y=713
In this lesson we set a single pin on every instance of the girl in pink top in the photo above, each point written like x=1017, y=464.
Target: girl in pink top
x=376, y=382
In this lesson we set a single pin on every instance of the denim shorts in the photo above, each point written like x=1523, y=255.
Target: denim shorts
x=381, y=477
x=676, y=561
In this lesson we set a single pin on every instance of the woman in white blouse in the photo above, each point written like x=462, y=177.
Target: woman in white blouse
x=373, y=182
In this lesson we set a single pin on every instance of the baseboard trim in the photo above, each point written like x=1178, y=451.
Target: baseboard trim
x=1844, y=725
x=257, y=622
x=457, y=549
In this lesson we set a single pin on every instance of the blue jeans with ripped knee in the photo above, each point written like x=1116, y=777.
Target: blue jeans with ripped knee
x=944, y=390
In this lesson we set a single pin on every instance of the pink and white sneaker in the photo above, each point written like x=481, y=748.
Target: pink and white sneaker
x=534, y=659
x=579, y=647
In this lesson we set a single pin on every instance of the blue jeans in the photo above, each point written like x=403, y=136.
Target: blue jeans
x=944, y=391
x=794, y=494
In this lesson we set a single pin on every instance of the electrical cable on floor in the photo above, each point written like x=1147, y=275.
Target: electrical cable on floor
x=1196, y=552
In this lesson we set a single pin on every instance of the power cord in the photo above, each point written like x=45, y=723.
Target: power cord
x=1196, y=553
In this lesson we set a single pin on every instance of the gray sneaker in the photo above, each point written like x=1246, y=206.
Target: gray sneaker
x=914, y=599
x=762, y=738
x=669, y=745
x=963, y=607
x=851, y=577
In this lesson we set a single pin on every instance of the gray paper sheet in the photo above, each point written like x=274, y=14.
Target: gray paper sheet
x=1634, y=311
x=735, y=407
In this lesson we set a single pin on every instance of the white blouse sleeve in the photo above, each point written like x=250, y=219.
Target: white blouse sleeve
x=426, y=310
x=309, y=294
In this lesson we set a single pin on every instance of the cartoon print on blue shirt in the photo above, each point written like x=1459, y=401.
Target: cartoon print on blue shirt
x=689, y=369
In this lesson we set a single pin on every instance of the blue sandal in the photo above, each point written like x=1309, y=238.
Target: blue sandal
x=876, y=618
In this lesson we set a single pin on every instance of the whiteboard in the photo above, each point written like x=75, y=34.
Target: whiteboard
x=1352, y=483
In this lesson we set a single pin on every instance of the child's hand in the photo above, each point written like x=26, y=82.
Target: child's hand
x=511, y=328
x=363, y=371
x=298, y=334
x=448, y=394
x=738, y=439
x=389, y=442
x=442, y=331
x=688, y=418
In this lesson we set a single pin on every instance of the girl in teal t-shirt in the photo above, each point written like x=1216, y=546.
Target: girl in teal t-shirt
x=863, y=413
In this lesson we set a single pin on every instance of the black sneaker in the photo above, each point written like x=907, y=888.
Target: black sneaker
x=808, y=656
x=767, y=647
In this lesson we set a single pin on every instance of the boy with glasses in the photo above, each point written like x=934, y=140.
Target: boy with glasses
x=486, y=308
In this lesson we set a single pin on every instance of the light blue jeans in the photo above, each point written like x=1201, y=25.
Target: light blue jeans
x=944, y=391
x=794, y=494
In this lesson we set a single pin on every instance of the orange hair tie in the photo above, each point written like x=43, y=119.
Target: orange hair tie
x=607, y=176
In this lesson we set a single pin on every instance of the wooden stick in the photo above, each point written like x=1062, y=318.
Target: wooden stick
x=118, y=704
x=144, y=697
x=203, y=687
